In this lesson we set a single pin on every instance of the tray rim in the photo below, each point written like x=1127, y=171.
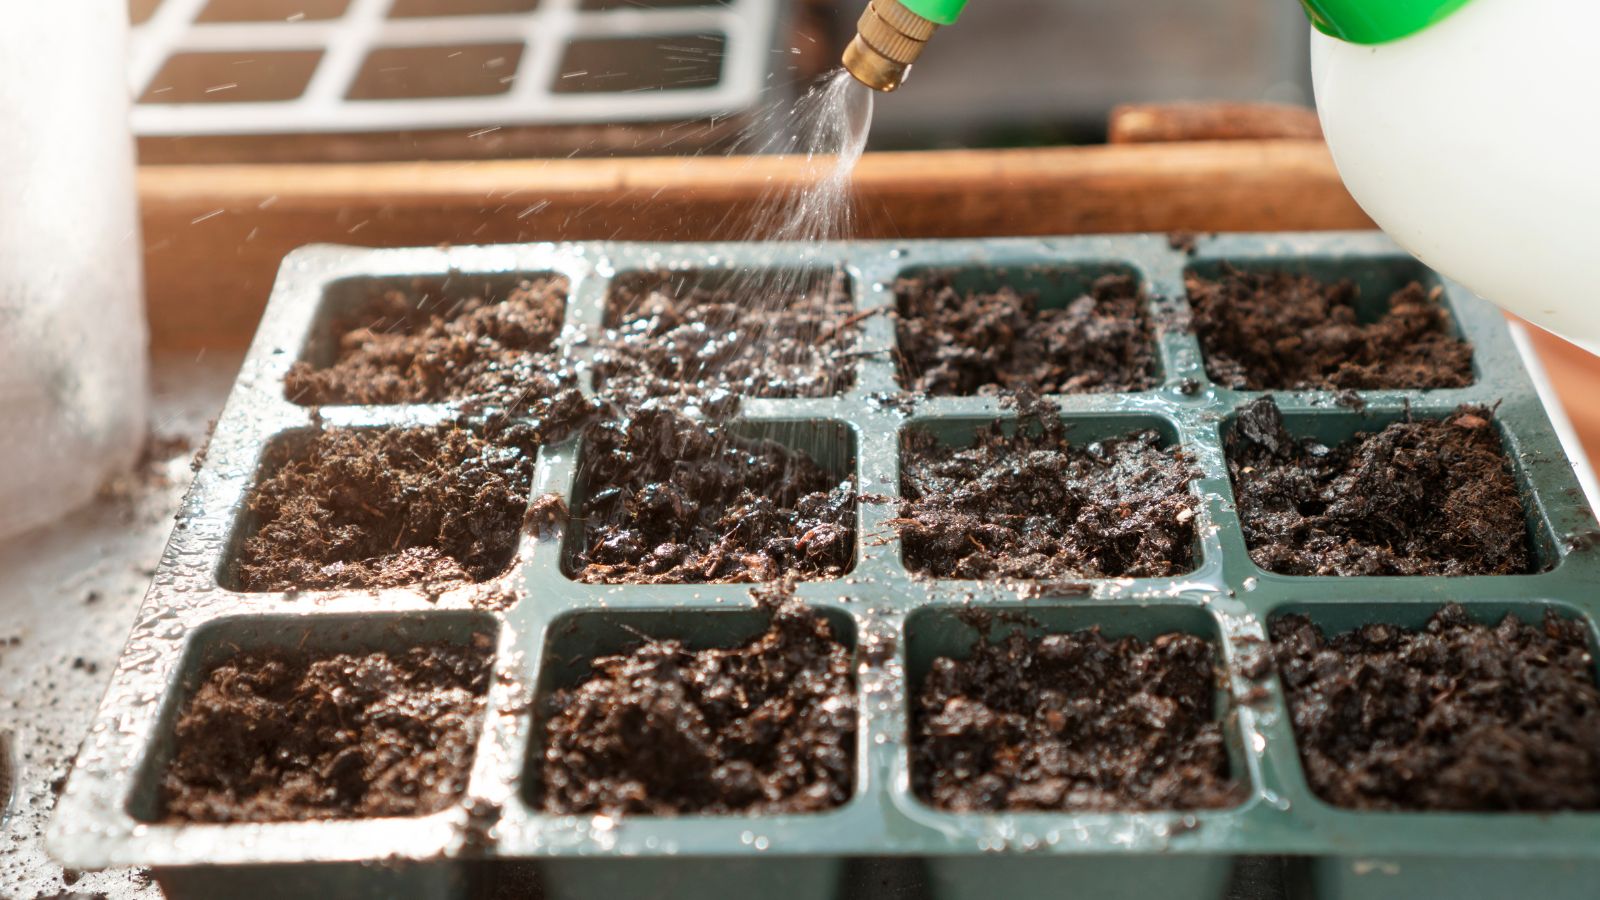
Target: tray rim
x=92, y=829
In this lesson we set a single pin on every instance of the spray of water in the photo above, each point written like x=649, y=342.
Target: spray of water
x=780, y=324
x=818, y=139
x=777, y=323
x=823, y=135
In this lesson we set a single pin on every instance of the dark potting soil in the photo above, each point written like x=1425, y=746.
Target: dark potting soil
x=1454, y=716
x=395, y=350
x=1072, y=722
x=1028, y=504
x=1263, y=330
x=359, y=508
x=766, y=334
x=1420, y=497
x=955, y=344
x=277, y=735
x=765, y=727
x=672, y=500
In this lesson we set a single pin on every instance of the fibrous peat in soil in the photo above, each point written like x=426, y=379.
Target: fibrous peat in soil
x=1264, y=330
x=959, y=343
x=367, y=508
x=1419, y=497
x=279, y=735
x=1073, y=721
x=427, y=346
x=764, y=727
x=675, y=500
x=765, y=333
x=1023, y=501
x=1457, y=715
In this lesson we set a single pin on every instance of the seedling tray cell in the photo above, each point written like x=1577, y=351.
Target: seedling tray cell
x=540, y=624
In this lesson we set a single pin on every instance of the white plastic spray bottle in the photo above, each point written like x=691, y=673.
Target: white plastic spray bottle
x=1469, y=130
x=72, y=330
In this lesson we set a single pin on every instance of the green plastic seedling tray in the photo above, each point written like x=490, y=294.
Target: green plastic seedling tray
x=883, y=839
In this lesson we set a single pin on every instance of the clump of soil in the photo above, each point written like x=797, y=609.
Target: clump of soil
x=363, y=508
x=1072, y=722
x=7, y=777
x=672, y=500
x=1420, y=497
x=768, y=334
x=954, y=344
x=1264, y=330
x=393, y=350
x=1455, y=716
x=279, y=735
x=765, y=727
x=1028, y=504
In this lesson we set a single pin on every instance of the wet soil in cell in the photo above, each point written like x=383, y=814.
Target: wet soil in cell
x=1073, y=721
x=765, y=727
x=959, y=344
x=395, y=349
x=1454, y=716
x=763, y=334
x=358, y=508
x=278, y=735
x=1030, y=503
x=674, y=500
x=1263, y=330
x=1420, y=497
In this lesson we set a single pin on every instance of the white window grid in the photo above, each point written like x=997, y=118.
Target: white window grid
x=748, y=28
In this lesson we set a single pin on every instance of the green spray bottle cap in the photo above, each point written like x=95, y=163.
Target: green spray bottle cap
x=1356, y=21
x=1377, y=21
x=939, y=12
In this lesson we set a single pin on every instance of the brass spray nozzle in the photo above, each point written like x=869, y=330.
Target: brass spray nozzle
x=889, y=38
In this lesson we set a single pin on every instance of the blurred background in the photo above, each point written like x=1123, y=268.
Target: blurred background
x=308, y=80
